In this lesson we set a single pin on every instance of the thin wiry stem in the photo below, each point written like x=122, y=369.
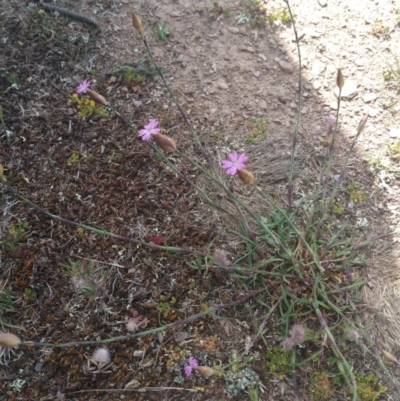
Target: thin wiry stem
x=297, y=126
x=190, y=319
x=183, y=251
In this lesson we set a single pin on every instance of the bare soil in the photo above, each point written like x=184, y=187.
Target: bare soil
x=239, y=86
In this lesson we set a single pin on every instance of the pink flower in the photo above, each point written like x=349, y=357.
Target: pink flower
x=330, y=120
x=83, y=86
x=192, y=364
x=150, y=129
x=235, y=163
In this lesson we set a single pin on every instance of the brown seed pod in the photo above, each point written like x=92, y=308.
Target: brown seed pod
x=166, y=143
x=97, y=97
x=339, y=79
x=246, y=176
x=204, y=370
x=362, y=123
x=8, y=340
x=137, y=24
x=2, y=178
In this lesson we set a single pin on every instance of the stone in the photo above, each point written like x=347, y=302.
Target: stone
x=175, y=14
x=256, y=73
x=369, y=97
x=395, y=132
x=222, y=85
x=316, y=85
x=285, y=66
x=317, y=68
x=349, y=89
x=323, y=3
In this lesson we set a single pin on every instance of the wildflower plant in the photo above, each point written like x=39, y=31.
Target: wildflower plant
x=85, y=104
x=296, y=266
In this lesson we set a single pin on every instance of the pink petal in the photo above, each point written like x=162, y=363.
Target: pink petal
x=144, y=134
x=226, y=164
x=231, y=171
x=242, y=159
x=233, y=156
x=239, y=166
x=153, y=123
x=188, y=370
x=192, y=362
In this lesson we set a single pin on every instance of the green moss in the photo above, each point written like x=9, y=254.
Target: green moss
x=368, y=387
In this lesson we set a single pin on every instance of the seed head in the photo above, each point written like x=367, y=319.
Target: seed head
x=2, y=178
x=166, y=143
x=8, y=340
x=246, y=176
x=101, y=356
x=222, y=258
x=97, y=97
x=137, y=24
x=339, y=79
x=297, y=336
x=353, y=335
x=205, y=370
x=362, y=123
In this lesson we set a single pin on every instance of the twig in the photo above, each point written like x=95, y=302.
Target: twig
x=192, y=318
x=183, y=251
x=140, y=390
x=70, y=14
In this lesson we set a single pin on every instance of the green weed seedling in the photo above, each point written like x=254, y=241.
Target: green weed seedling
x=394, y=150
x=368, y=387
x=162, y=32
x=282, y=16
x=137, y=72
x=5, y=302
x=29, y=294
x=356, y=194
x=14, y=236
x=87, y=106
x=73, y=268
x=392, y=70
x=242, y=18
x=323, y=386
x=279, y=362
x=13, y=79
x=257, y=130
x=243, y=380
x=256, y=10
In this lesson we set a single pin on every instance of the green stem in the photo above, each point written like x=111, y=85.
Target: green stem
x=151, y=331
x=100, y=231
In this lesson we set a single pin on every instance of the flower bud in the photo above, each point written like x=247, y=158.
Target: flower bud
x=97, y=97
x=2, y=178
x=8, y=340
x=362, y=123
x=166, y=143
x=246, y=176
x=205, y=370
x=137, y=24
x=339, y=79
x=389, y=356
